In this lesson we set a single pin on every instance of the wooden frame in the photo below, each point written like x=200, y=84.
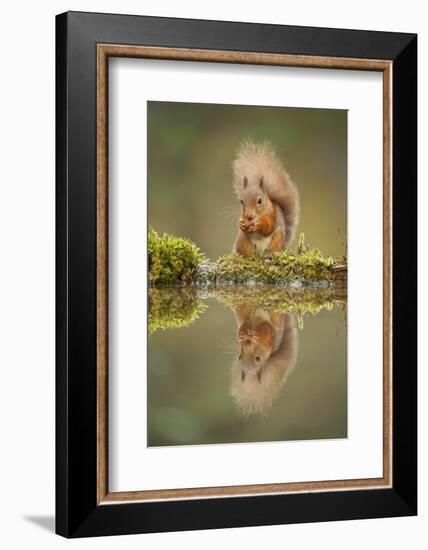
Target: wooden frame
x=84, y=44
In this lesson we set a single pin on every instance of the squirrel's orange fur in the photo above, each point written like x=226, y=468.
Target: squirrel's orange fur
x=269, y=200
x=267, y=355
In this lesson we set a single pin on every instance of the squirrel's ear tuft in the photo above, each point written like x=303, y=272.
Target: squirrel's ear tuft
x=262, y=184
x=245, y=181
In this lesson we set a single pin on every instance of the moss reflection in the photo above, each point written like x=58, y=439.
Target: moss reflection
x=173, y=308
x=268, y=345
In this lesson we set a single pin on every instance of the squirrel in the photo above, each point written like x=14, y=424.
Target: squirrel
x=269, y=200
x=267, y=355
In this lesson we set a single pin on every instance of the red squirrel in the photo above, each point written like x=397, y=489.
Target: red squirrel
x=269, y=200
x=268, y=343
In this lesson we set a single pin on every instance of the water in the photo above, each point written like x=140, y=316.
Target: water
x=246, y=365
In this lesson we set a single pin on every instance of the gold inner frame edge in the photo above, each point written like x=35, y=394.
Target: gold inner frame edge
x=104, y=51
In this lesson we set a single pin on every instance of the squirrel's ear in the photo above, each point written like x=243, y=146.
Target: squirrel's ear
x=242, y=376
x=262, y=184
x=245, y=182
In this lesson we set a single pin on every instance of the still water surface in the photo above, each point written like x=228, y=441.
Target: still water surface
x=248, y=374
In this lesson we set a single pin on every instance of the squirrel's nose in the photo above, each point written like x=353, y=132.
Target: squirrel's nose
x=249, y=217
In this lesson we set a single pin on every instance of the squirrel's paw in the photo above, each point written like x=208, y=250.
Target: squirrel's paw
x=253, y=227
x=248, y=228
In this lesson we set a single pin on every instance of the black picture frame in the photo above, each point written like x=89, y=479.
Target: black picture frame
x=77, y=512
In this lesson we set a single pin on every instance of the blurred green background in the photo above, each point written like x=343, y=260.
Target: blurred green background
x=190, y=151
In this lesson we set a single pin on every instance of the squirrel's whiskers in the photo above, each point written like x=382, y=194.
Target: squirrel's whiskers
x=229, y=211
x=228, y=347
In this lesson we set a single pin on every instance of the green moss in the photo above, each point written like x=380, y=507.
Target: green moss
x=177, y=307
x=172, y=260
x=309, y=265
x=282, y=300
x=173, y=308
x=302, y=264
x=258, y=281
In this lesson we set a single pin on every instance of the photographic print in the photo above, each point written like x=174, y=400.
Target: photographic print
x=226, y=248
x=247, y=270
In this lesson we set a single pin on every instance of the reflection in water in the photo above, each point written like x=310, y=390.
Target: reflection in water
x=199, y=395
x=268, y=352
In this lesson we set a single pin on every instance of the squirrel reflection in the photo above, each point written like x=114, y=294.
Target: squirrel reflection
x=267, y=355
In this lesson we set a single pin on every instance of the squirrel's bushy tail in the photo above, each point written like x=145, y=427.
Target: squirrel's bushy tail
x=257, y=160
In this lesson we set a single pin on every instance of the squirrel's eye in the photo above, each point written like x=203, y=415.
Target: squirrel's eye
x=257, y=359
x=242, y=202
x=259, y=200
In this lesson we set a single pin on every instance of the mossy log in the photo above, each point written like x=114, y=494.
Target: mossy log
x=178, y=261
